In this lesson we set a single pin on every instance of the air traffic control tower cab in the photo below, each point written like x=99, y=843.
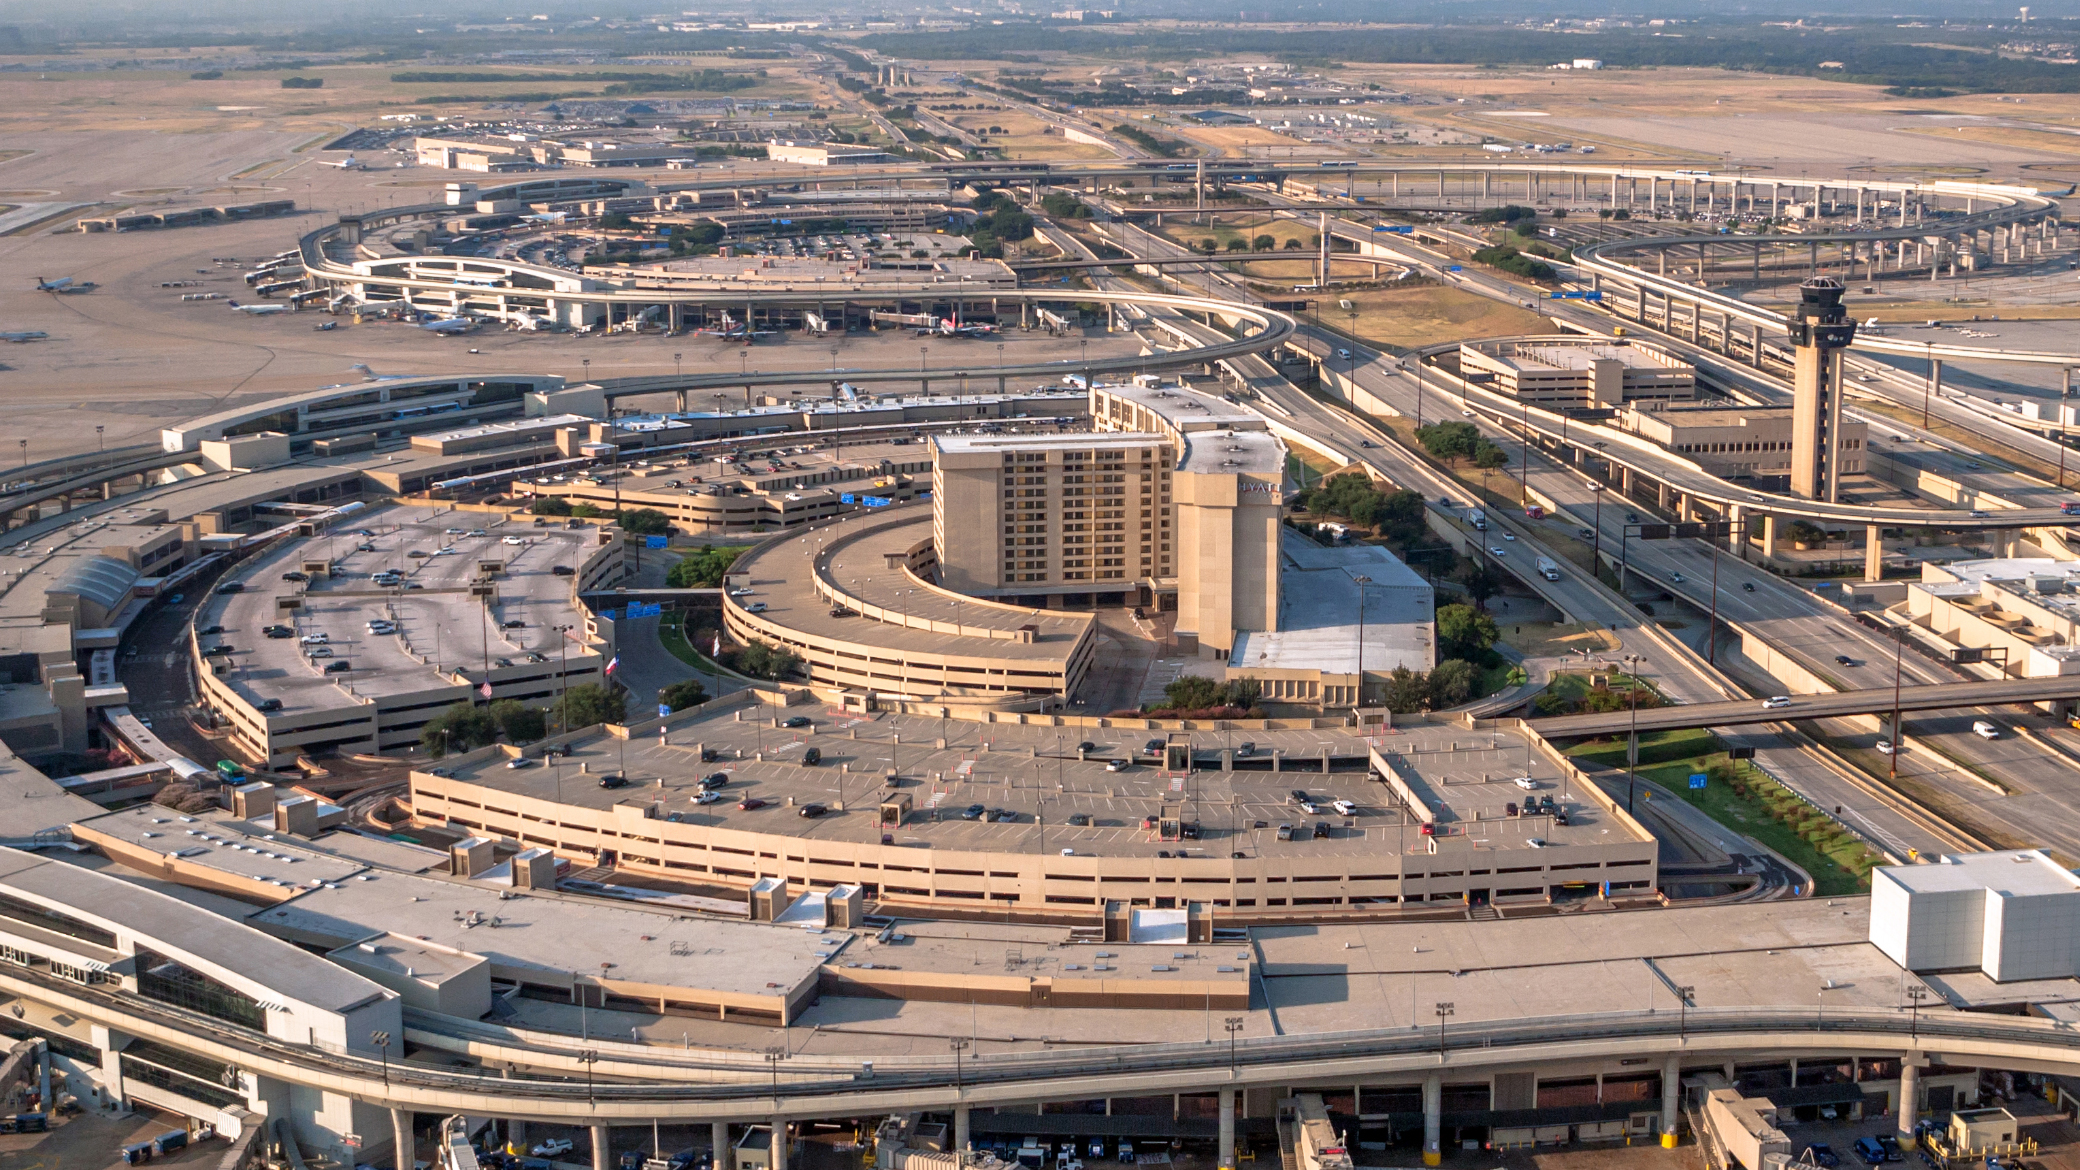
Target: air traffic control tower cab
x=1820, y=330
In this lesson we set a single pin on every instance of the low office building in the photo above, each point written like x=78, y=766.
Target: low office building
x=1736, y=442
x=823, y=154
x=2021, y=614
x=1562, y=373
x=2010, y=916
x=1345, y=614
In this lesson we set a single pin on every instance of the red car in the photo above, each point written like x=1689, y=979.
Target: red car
x=749, y=803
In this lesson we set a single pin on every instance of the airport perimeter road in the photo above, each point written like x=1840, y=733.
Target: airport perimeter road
x=1871, y=702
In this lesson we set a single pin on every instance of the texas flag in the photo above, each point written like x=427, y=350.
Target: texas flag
x=612, y=663
x=485, y=690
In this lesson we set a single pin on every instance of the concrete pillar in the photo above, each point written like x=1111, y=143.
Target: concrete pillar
x=776, y=1157
x=960, y=1130
x=718, y=1137
x=401, y=1137
x=1909, y=1099
x=1873, y=554
x=1769, y=537
x=602, y=1148
x=1737, y=519
x=1671, y=1098
x=1433, y=1111
x=1227, y=1151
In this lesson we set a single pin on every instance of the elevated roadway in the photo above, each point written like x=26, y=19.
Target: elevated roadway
x=716, y=1085
x=1866, y=702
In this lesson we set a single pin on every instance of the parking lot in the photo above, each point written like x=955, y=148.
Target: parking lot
x=1014, y=788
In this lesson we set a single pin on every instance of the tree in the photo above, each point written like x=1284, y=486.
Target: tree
x=704, y=569
x=1451, y=683
x=519, y=722
x=681, y=695
x=1192, y=692
x=1448, y=440
x=1263, y=243
x=583, y=706
x=1480, y=580
x=586, y=510
x=762, y=661
x=550, y=506
x=646, y=522
x=1465, y=632
x=1406, y=691
x=1400, y=517
x=1292, y=245
x=1487, y=454
x=463, y=727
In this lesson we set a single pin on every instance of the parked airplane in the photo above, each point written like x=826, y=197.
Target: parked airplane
x=58, y=285
x=350, y=163
x=260, y=310
x=24, y=335
x=948, y=327
x=447, y=325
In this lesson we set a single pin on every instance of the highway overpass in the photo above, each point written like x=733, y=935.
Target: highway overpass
x=1937, y=697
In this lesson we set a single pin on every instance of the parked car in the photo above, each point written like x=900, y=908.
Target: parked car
x=552, y=1147
x=520, y=762
x=811, y=811
x=1819, y=1154
x=749, y=803
x=715, y=780
x=613, y=780
x=1285, y=832
x=338, y=666
x=797, y=721
x=812, y=756
x=973, y=812
x=1526, y=783
x=1080, y=820
x=1118, y=765
x=708, y=796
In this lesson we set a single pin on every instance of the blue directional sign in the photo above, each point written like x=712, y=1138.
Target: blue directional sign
x=876, y=501
x=1697, y=779
x=846, y=498
x=655, y=541
x=637, y=609
x=1397, y=228
x=663, y=709
x=1577, y=294
x=1455, y=268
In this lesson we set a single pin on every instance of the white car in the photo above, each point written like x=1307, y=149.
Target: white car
x=1344, y=807
x=1309, y=807
x=1985, y=730
x=1775, y=701
x=551, y=1148
x=450, y=551
x=708, y=796
x=1535, y=842
x=1885, y=747
x=1507, y=536
x=1344, y=354
x=1497, y=552
x=318, y=652
x=454, y=532
x=1526, y=783
x=742, y=591
x=755, y=607
x=512, y=540
x=1116, y=765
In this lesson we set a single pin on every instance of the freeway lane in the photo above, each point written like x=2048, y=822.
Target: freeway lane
x=1867, y=702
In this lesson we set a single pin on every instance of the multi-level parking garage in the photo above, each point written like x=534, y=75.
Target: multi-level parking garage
x=737, y=960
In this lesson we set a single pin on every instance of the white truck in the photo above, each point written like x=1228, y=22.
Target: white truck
x=1478, y=519
x=1547, y=569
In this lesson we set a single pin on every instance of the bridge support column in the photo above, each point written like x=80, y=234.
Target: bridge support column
x=401, y=1138
x=602, y=1148
x=1769, y=538
x=1671, y=1098
x=1737, y=521
x=1909, y=1099
x=1433, y=1114
x=1873, y=553
x=960, y=1131
x=718, y=1138
x=776, y=1154
x=1227, y=1151
x=682, y=401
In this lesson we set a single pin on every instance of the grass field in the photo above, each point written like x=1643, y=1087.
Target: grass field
x=1757, y=809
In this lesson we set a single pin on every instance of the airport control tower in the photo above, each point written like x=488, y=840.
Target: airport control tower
x=1820, y=330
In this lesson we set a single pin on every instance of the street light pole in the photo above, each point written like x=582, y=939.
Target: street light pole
x=1683, y=995
x=957, y=1043
x=1446, y=1009
x=1632, y=741
x=1234, y=1025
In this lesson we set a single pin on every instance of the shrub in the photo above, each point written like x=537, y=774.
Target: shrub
x=704, y=569
x=463, y=727
x=646, y=522
x=681, y=695
x=550, y=506
x=583, y=706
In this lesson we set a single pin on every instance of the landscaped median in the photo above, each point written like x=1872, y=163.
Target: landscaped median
x=1746, y=802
